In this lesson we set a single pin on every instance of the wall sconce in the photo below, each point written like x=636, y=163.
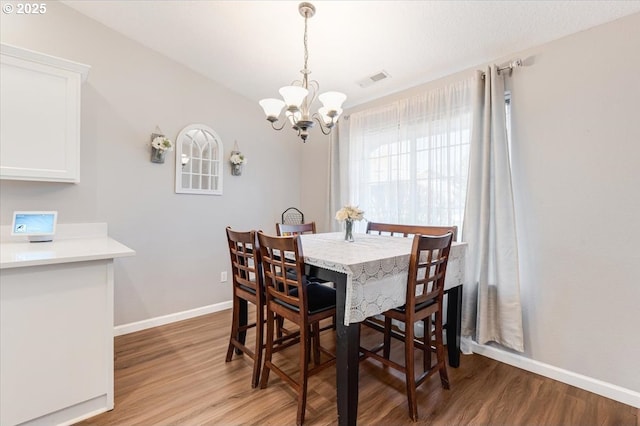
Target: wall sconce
x=237, y=159
x=184, y=159
x=159, y=146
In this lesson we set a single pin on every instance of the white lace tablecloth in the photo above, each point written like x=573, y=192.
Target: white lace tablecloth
x=376, y=268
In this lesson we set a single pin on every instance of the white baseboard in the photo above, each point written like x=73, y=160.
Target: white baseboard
x=168, y=319
x=608, y=390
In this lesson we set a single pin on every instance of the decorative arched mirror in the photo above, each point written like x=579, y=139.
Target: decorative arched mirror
x=199, y=161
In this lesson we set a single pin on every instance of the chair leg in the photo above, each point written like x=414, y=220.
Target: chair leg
x=280, y=321
x=315, y=333
x=235, y=325
x=264, y=378
x=386, y=351
x=304, y=374
x=257, y=361
x=409, y=358
x=442, y=363
x=426, y=351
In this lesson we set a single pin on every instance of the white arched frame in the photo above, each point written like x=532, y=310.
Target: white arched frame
x=199, y=161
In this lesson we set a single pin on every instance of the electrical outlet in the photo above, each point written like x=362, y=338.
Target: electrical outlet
x=223, y=276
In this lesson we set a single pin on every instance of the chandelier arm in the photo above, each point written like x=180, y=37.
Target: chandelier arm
x=322, y=125
x=314, y=88
x=273, y=125
x=293, y=120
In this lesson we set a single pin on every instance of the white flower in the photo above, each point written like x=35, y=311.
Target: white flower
x=349, y=212
x=238, y=159
x=162, y=143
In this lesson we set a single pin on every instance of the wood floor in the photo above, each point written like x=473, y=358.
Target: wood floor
x=176, y=375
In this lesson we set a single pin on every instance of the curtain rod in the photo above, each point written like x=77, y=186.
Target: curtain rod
x=510, y=66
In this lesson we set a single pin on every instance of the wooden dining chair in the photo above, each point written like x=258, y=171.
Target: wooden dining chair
x=425, y=288
x=299, y=301
x=286, y=229
x=395, y=229
x=401, y=230
x=247, y=287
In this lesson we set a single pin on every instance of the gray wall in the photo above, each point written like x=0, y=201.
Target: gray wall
x=179, y=238
x=576, y=138
x=576, y=170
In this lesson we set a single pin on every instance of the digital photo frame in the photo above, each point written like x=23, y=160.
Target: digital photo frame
x=38, y=226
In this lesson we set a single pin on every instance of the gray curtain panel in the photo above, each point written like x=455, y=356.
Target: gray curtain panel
x=492, y=310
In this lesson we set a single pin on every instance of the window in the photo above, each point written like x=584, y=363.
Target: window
x=409, y=160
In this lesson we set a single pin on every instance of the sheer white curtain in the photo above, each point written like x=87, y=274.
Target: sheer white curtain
x=408, y=160
x=491, y=295
x=338, y=188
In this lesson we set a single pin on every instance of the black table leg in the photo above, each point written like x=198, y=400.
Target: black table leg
x=347, y=358
x=454, y=322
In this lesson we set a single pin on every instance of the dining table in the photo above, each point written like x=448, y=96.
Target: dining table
x=370, y=275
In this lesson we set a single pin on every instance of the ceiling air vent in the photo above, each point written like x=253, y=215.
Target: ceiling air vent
x=373, y=79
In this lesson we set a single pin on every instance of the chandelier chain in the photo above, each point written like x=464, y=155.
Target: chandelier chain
x=306, y=51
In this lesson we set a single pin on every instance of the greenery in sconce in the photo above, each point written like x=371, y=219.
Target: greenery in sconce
x=237, y=159
x=162, y=143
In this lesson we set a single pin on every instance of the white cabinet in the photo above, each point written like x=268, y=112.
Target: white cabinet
x=56, y=326
x=40, y=123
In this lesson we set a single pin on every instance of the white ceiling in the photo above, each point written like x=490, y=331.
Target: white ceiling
x=255, y=47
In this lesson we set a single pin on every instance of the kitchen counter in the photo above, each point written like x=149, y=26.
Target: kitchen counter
x=23, y=254
x=56, y=325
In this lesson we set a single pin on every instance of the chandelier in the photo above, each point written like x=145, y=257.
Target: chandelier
x=301, y=94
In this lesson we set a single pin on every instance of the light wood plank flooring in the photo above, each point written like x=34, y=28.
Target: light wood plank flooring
x=176, y=375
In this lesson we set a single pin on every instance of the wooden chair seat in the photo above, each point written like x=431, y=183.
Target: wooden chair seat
x=320, y=298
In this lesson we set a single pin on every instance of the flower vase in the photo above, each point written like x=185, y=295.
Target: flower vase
x=348, y=230
x=236, y=169
x=157, y=155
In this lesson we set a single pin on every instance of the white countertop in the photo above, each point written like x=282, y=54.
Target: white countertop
x=73, y=243
x=17, y=255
